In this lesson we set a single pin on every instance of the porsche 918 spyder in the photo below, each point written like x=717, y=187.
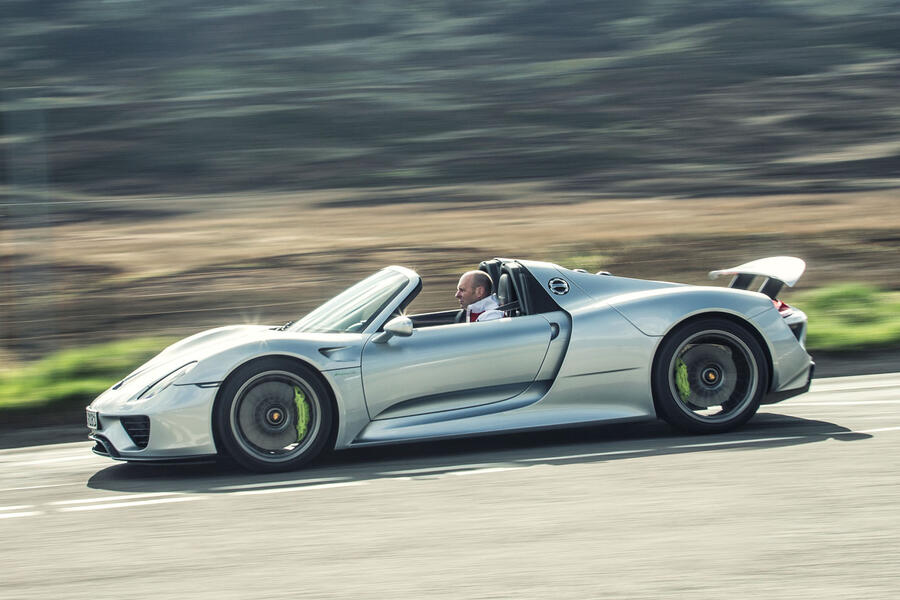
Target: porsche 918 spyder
x=573, y=348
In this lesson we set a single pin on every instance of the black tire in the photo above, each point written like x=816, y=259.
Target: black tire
x=273, y=414
x=709, y=376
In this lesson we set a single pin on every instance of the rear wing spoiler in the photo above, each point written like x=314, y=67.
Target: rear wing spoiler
x=777, y=271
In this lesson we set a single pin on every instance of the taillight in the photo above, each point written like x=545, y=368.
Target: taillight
x=783, y=309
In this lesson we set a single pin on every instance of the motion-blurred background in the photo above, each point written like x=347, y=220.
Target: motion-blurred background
x=173, y=165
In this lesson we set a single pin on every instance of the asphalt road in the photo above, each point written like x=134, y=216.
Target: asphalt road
x=800, y=503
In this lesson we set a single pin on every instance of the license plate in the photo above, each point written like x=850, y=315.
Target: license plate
x=92, y=419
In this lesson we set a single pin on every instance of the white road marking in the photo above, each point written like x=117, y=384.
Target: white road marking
x=50, y=450
x=250, y=486
x=19, y=514
x=883, y=417
x=435, y=470
x=879, y=430
x=850, y=387
x=39, y=487
x=749, y=441
x=710, y=444
x=129, y=504
x=46, y=454
x=46, y=461
x=487, y=470
x=301, y=488
x=589, y=455
x=844, y=403
x=112, y=498
x=20, y=507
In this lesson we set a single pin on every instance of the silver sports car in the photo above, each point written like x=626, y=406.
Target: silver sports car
x=573, y=348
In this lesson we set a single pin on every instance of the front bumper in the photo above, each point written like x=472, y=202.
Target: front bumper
x=174, y=425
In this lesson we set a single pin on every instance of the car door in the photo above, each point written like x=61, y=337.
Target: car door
x=453, y=366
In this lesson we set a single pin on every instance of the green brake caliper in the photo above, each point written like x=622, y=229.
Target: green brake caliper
x=681, y=380
x=302, y=413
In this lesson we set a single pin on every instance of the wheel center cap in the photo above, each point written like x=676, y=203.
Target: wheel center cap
x=711, y=375
x=275, y=416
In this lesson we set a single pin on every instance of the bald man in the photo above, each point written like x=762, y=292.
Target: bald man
x=475, y=296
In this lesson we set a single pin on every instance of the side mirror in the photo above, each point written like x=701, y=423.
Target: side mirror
x=399, y=326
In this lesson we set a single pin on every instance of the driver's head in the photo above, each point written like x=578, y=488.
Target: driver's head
x=472, y=287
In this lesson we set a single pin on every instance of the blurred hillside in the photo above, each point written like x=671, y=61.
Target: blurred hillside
x=172, y=165
x=644, y=97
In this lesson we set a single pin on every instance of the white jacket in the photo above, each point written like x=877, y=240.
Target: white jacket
x=485, y=309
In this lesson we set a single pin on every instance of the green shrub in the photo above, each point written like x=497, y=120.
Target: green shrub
x=850, y=317
x=78, y=374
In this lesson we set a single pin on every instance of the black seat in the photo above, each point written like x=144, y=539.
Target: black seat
x=492, y=268
x=506, y=296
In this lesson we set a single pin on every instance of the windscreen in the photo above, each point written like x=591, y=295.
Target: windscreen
x=353, y=309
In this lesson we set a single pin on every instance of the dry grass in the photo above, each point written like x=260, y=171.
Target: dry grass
x=522, y=220
x=197, y=262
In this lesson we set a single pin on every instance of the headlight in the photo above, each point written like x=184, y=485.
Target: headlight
x=166, y=381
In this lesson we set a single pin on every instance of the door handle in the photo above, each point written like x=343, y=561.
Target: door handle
x=554, y=331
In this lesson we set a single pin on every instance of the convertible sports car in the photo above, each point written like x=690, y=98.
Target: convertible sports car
x=573, y=348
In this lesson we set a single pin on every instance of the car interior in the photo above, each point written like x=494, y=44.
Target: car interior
x=518, y=293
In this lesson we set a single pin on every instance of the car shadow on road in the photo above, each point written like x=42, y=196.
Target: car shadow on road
x=594, y=444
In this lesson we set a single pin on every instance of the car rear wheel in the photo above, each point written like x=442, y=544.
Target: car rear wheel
x=709, y=376
x=273, y=415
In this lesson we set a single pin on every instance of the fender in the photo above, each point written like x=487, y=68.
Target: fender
x=657, y=312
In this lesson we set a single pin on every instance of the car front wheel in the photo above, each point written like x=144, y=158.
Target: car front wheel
x=273, y=415
x=709, y=376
